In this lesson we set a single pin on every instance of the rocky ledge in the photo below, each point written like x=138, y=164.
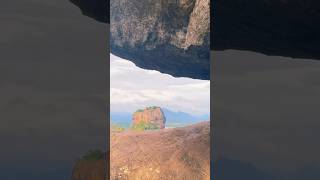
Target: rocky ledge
x=171, y=35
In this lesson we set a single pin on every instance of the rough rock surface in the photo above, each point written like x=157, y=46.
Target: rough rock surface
x=274, y=27
x=171, y=36
x=150, y=115
x=177, y=153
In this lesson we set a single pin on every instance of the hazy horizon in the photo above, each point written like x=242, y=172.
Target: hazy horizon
x=162, y=107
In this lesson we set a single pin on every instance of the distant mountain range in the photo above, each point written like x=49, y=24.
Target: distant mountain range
x=173, y=118
x=183, y=117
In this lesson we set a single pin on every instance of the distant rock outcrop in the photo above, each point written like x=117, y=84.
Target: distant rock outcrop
x=150, y=117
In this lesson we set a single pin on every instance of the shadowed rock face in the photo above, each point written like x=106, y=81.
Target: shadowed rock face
x=97, y=9
x=273, y=27
x=170, y=36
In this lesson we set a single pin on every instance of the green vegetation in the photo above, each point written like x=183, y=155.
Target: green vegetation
x=152, y=107
x=92, y=155
x=148, y=108
x=139, y=110
x=117, y=128
x=143, y=126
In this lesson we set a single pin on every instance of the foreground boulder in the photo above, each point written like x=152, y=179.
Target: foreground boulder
x=177, y=153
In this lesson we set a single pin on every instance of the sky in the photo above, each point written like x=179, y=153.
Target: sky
x=133, y=88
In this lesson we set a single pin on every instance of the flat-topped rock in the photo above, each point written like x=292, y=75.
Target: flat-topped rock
x=149, y=118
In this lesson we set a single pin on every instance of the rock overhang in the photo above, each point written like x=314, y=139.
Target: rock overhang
x=272, y=27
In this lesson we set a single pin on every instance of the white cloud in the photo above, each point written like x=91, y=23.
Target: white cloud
x=133, y=88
